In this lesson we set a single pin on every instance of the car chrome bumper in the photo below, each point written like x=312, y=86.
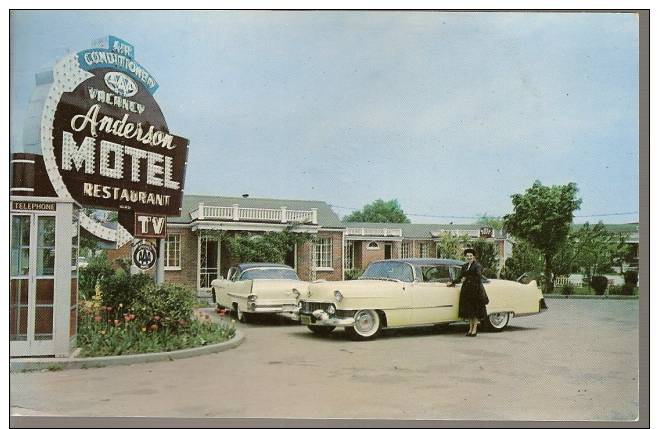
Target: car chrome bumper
x=321, y=318
x=265, y=308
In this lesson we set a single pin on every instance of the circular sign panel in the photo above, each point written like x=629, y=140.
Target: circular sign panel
x=144, y=256
x=104, y=138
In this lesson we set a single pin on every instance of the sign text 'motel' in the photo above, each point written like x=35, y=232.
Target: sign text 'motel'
x=109, y=140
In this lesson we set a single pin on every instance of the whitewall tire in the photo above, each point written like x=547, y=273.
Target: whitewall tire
x=367, y=326
x=496, y=322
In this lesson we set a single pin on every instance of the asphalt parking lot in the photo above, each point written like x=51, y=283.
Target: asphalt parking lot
x=577, y=361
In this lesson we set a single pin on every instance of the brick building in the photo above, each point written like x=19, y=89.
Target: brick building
x=195, y=253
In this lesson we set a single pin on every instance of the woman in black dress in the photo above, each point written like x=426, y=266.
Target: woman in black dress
x=472, y=295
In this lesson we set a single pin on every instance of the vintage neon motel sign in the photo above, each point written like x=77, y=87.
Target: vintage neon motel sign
x=104, y=139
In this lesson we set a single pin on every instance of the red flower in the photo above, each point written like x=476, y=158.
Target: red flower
x=157, y=318
x=108, y=308
x=154, y=327
x=98, y=318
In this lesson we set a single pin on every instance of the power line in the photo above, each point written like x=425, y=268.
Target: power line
x=477, y=217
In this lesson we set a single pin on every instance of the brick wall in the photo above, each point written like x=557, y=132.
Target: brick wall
x=187, y=275
x=370, y=255
x=304, y=260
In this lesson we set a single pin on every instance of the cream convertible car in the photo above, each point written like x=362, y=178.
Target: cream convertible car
x=408, y=292
x=258, y=288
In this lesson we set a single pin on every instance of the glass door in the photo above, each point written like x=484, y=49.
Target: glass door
x=32, y=284
x=209, y=259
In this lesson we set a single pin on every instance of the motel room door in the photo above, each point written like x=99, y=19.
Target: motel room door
x=31, y=284
x=209, y=264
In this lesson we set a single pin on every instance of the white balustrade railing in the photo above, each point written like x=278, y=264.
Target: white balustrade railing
x=376, y=232
x=237, y=213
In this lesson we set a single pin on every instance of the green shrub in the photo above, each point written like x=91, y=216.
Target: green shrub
x=168, y=306
x=628, y=290
x=353, y=274
x=89, y=276
x=599, y=284
x=567, y=289
x=631, y=278
x=121, y=288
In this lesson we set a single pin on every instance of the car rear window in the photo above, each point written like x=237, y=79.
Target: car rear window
x=269, y=273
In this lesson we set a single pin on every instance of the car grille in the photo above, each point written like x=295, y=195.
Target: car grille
x=310, y=307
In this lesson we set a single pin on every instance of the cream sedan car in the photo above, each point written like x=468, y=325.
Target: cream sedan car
x=258, y=288
x=408, y=292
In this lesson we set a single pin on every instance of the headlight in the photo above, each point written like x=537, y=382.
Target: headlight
x=251, y=298
x=338, y=296
x=296, y=293
x=331, y=309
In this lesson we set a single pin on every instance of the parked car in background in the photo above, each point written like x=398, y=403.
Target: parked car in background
x=408, y=292
x=258, y=288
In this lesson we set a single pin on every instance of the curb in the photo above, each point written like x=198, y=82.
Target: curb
x=613, y=297
x=56, y=364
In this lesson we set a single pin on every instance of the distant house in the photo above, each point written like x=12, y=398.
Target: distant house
x=194, y=255
x=629, y=231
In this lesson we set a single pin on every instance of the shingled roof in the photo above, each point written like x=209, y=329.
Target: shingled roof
x=421, y=231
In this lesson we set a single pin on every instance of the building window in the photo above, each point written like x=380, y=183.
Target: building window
x=373, y=246
x=323, y=252
x=349, y=256
x=405, y=250
x=424, y=250
x=173, y=251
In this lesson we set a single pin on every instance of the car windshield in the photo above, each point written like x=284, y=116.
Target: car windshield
x=389, y=270
x=269, y=273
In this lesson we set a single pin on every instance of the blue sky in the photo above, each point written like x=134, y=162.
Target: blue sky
x=450, y=113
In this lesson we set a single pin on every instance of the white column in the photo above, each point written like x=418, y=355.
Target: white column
x=62, y=294
x=283, y=214
x=314, y=216
x=201, y=211
x=160, y=264
x=236, y=213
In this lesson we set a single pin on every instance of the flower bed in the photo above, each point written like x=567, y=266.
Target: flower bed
x=159, y=319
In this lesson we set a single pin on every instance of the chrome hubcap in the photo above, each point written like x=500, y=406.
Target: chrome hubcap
x=365, y=323
x=499, y=320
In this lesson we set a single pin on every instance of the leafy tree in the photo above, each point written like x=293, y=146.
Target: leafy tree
x=379, y=211
x=491, y=221
x=594, y=249
x=267, y=247
x=525, y=259
x=450, y=246
x=542, y=216
x=620, y=251
x=486, y=254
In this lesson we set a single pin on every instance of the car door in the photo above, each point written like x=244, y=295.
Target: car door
x=432, y=300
